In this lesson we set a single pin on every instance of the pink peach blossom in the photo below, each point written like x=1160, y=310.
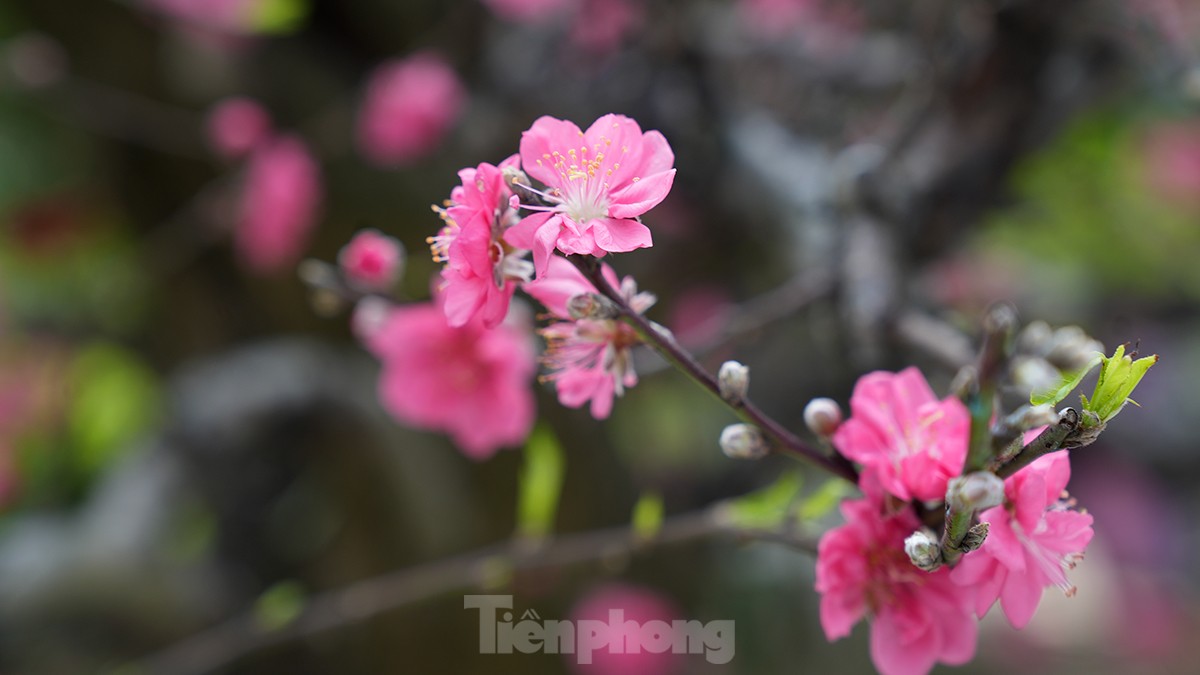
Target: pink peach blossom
x=469, y=382
x=598, y=182
x=281, y=194
x=1033, y=539
x=482, y=271
x=237, y=125
x=622, y=612
x=917, y=618
x=409, y=106
x=901, y=433
x=589, y=359
x=372, y=260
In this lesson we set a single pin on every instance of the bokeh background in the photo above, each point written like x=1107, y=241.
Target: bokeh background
x=188, y=434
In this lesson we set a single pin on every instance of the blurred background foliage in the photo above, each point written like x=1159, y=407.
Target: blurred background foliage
x=184, y=439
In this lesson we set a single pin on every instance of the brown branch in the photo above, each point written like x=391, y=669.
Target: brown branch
x=243, y=635
x=661, y=340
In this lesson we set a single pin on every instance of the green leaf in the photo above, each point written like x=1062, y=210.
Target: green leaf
x=540, y=484
x=1055, y=394
x=1119, y=376
x=279, y=605
x=278, y=17
x=766, y=508
x=115, y=398
x=647, y=515
x=823, y=500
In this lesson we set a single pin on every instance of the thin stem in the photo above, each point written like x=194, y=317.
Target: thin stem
x=662, y=342
x=958, y=523
x=1050, y=440
x=999, y=325
x=227, y=643
x=782, y=302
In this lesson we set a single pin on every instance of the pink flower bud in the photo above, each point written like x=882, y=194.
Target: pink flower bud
x=236, y=126
x=409, y=106
x=823, y=416
x=975, y=491
x=372, y=260
x=280, y=198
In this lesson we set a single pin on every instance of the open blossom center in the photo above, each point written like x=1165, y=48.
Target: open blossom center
x=584, y=172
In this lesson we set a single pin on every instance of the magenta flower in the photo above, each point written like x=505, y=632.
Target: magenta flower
x=902, y=434
x=624, y=615
x=1032, y=540
x=598, y=182
x=481, y=270
x=917, y=618
x=372, y=260
x=281, y=194
x=237, y=125
x=410, y=105
x=469, y=382
x=589, y=359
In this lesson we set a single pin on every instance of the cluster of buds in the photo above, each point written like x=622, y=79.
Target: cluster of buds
x=992, y=482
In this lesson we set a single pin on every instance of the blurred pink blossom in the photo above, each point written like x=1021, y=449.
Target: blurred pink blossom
x=281, y=194
x=594, y=26
x=1171, y=153
x=237, y=125
x=621, y=611
x=588, y=359
x=482, y=270
x=774, y=17
x=372, y=260
x=409, y=106
x=826, y=26
x=470, y=382
x=917, y=618
x=1176, y=20
x=224, y=15
x=903, y=435
x=1033, y=539
x=601, y=25
x=598, y=182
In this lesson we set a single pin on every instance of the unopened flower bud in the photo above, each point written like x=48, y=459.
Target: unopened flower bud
x=975, y=491
x=1034, y=373
x=923, y=550
x=975, y=537
x=370, y=314
x=518, y=181
x=743, y=441
x=1071, y=348
x=372, y=261
x=590, y=306
x=733, y=380
x=823, y=416
x=514, y=176
x=1032, y=417
x=1034, y=337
